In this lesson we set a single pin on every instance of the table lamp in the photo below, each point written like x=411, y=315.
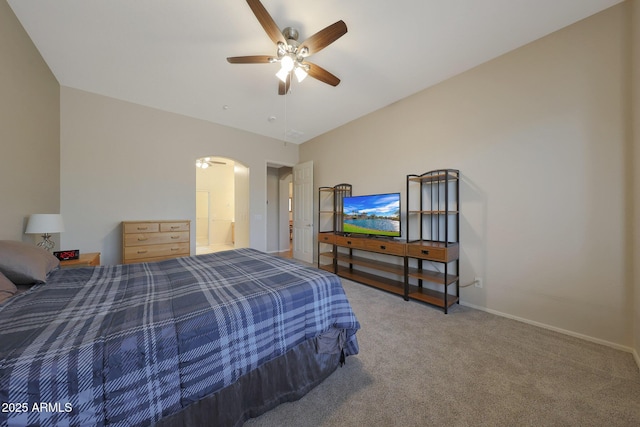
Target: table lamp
x=45, y=224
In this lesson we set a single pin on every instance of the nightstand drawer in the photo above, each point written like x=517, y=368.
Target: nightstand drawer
x=433, y=251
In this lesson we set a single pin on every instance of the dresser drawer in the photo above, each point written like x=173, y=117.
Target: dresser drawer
x=141, y=227
x=142, y=239
x=167, y=250
x=153, y=240
x=326, y=238
x=433, y=251
x=174, y=226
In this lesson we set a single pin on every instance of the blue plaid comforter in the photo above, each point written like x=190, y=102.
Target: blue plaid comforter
x=128, y=344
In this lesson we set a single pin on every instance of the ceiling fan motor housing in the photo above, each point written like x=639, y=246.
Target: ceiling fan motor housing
x=290, y=33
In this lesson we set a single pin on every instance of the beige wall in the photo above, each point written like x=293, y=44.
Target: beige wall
x=122, y=161
x=635, y=194
x=29, y=130
x=540, y=136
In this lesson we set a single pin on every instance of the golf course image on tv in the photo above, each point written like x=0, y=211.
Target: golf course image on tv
x=375, y=215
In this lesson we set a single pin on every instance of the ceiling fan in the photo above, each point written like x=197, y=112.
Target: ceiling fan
x=206, y=162
x=292, y=55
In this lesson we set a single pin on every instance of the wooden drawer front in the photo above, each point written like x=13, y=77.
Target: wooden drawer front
x=372, y=245
x=174, y=226
x=142, y=239
x=141, y=227
x=326, y=238
x=154, y=251
x=432, y=253
x=384, y=247
x=348, y=242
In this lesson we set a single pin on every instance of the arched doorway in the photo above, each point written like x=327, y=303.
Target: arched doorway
x=222, y=204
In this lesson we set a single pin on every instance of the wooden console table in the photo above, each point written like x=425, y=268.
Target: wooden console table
x=391, y=271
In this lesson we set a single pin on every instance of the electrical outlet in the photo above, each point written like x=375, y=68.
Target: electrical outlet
x=478, y=282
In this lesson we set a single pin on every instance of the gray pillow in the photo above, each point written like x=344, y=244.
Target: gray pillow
x=25, y=264
x=7, y=288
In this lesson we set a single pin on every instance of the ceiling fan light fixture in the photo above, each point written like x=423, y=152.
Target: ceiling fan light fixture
x=282, y=49
x=300, y=73
x=287, y=63
x=282, y=74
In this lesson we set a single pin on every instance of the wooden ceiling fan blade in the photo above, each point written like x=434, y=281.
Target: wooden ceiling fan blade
x=253, y=59
x=325, y=37
x=267, y=22
x=283, y=87
x=319, y=73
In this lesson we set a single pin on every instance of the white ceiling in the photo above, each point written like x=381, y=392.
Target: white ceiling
x=171, y=54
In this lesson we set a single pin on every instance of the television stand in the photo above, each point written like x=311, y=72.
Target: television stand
x=384, y=264
x=424, y=267
x=358, y=264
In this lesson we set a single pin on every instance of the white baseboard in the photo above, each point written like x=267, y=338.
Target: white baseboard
x=560, y=330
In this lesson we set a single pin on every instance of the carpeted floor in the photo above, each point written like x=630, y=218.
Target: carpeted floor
x=420, y=367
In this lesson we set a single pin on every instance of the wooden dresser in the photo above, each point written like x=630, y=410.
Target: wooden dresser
x=144, y=241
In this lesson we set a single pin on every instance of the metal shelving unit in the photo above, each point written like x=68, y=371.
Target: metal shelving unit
x=330, y=220
x=433, y=231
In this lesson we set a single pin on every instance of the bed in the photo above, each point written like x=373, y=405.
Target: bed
x=204, y=340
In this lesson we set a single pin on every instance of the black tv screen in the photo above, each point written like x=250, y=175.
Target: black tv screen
x=373, y=215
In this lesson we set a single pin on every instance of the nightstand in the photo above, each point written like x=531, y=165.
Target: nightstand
x=90, y=259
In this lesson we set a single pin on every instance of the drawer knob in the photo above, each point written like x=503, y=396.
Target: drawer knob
x=142, y=252
x=142, y=239
x=175, y=237
x=425, y=252
x=383, y=247
x=143, y=228
x=175, y=249
x=348, y=242
x=173, y=227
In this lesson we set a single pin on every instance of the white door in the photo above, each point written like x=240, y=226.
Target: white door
x=303, y=212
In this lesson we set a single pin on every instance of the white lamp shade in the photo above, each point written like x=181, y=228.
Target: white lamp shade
x=44, y=224
x=301, y=74
x=282, y=75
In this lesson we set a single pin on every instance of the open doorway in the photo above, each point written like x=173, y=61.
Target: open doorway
x=279, y=209
x=290, y=210
x=222, y=204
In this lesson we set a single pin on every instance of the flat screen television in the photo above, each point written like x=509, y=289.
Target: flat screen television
x=372, y=215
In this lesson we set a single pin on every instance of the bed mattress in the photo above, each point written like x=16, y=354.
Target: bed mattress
x=131, y=344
